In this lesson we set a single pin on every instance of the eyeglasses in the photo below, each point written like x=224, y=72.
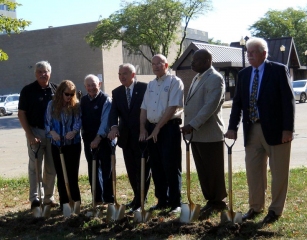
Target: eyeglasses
x=69, y=94
x=157, y=64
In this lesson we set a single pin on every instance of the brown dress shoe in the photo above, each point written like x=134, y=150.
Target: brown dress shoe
x=270, y=218
x=52, y=204
x=251, y=214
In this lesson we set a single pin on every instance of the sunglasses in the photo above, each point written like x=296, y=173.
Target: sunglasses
x=69, y=94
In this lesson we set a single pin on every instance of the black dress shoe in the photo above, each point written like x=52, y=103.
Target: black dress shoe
x=159, y=206
x=131, y=204
x=270, y=218
x=251, y=214
x=134, y=208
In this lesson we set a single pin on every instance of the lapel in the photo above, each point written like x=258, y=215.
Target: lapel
x=135, y=94
x=246, y=82
x=123, y=97
x=201, y=82
x=265, y=77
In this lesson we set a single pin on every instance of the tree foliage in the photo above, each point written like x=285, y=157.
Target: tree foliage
x=286, y=23
x=9, y=25
x=148, y=24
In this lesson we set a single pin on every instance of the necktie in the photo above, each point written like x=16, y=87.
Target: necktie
x=253, y=111
x=128, y=96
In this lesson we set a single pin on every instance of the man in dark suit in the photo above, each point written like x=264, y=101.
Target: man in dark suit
x=265, y=98
x=124, y=120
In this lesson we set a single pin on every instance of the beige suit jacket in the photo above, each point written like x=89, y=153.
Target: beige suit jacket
x=203, y=108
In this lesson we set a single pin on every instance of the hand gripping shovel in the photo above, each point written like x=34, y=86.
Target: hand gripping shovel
x=190, y=211
x=39, y=211
x=95, y=212
x=71, y=207
x=142, y=216
x=115, y=211
x=230, y=215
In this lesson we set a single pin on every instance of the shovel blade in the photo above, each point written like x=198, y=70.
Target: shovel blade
x=189, y=212
x=37, y=212
x=46, y=212
x=141, y=216
x=77, y=207
x=115, y=212
x=231, y=216
x=67, y=211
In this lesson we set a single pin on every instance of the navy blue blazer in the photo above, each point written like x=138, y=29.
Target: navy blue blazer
x=127, y=119
x=276, y=102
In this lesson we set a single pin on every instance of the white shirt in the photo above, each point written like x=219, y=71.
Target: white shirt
x=162, y=93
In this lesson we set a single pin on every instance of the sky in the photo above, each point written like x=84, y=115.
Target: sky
x=228, y=21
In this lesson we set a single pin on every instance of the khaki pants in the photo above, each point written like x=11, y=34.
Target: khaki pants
x=257, y=153
x=49, y=173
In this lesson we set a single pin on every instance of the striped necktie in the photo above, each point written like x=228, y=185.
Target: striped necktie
x=253, y=111
x=128, y=96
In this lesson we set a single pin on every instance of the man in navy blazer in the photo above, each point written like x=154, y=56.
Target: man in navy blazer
x=268, y=126
x=124, y=120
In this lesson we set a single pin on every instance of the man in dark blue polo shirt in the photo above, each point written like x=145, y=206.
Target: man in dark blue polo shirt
x=33, y=101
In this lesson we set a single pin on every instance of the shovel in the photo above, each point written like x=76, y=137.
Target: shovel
x=115, y=211
x=142, y=216
x=230, y=215
x=190, y=211
x=39, y=211
x=71, y=207
x=95, y=212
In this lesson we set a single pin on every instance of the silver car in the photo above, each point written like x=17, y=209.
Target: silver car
x=9, y=104
x=300, y=90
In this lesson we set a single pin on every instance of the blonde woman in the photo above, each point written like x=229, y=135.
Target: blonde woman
x=63, y=123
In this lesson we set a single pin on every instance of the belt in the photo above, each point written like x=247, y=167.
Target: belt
x=172, y=121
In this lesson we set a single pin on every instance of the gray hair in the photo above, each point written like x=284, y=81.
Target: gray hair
x=128, y=65
x=43, y=64
x=260, y=43
x=93, y=77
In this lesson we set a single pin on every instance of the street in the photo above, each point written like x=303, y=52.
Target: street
x=14, y=158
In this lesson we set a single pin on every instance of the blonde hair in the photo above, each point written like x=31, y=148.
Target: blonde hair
x=58, y=100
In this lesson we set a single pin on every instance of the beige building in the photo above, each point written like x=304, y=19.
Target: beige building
x=70, y=58
x=6, y=12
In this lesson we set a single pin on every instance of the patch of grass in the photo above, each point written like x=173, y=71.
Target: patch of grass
x=17, y=222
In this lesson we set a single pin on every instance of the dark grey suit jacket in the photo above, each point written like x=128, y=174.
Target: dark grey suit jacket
x=128, y=120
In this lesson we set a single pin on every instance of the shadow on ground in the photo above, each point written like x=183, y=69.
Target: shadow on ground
x=22, y=225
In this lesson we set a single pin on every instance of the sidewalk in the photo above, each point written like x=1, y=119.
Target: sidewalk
x=14, y=158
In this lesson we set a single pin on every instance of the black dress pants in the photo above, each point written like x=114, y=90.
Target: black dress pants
x=165, y=161
x=104, y=189
x=132, y=156
x=72, y=162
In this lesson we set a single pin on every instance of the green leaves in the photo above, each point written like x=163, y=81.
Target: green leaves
x=147, y=26
x=10, y=25
x=286, y=23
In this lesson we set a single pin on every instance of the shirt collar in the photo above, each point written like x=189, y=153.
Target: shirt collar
x=93, y=97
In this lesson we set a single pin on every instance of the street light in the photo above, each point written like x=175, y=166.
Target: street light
x=306, y=57
x=282, y=49
x=242, y=43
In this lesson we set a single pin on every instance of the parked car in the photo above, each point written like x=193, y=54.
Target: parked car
x=9, y=104
x=300, y=90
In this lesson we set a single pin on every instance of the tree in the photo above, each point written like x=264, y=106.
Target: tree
x=217, y=42
x=148, y=24
x=287, y=23
x=9, y=25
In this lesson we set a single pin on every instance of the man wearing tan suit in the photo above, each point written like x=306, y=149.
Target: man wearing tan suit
x=203, y=116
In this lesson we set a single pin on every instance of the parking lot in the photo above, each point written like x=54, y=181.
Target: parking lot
x=14, y=159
